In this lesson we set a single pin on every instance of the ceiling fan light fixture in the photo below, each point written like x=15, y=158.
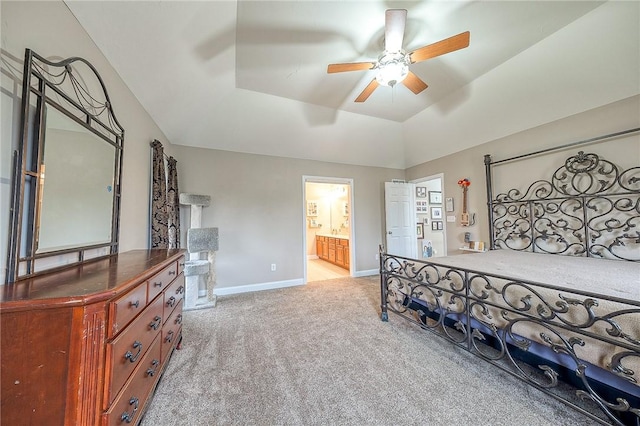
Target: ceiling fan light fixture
x=392, y=68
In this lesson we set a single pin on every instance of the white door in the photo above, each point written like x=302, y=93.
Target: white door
x=400, y=219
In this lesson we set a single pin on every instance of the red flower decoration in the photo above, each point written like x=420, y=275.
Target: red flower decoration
x=464, y=182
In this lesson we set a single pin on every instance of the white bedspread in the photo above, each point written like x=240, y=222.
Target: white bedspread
x=614, y=278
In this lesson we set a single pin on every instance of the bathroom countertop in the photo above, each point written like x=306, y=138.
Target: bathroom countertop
x=343, y=237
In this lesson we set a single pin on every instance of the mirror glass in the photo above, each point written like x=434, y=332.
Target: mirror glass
x=77, y=182
x=331, y=201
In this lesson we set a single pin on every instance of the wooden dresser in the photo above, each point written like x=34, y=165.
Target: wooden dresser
x=87, y=345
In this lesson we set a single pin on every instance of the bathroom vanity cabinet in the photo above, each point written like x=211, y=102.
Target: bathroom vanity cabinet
x=86, y=345
x=333, y=249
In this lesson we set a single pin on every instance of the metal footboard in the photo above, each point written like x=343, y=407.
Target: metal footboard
x=544, y=335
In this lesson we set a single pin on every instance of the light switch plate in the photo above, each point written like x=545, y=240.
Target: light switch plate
x=451, y=218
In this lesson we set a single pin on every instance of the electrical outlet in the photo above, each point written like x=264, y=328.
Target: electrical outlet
x=273, y=267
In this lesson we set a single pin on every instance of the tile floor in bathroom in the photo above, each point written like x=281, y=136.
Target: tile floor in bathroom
x=318, y=270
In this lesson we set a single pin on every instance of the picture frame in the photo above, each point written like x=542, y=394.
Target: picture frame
x=312, y=208
x=420, y=230
x=436, y=212
x=448, y=204
x=421, y=191
x=422, y=206
x=345, y=209
x=427, y=249
x=435, y=197
x=437, y=225
x=440, y=226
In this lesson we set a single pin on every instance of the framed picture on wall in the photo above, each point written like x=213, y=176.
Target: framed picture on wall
x=421, y=191
x=435, y=197
x=436, y=212
x=436, y=225
x=312, y=208
x=427, y=248
x=448, y=204
x=420, y=230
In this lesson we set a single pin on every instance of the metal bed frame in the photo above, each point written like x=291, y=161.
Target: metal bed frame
x=588, y=208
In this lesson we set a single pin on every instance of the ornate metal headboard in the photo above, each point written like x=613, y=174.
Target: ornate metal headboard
x=588, y=207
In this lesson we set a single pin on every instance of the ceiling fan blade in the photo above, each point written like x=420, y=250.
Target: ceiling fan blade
x=447, y=45
x=352, y=66
x=414, y=83
x=367, y=91
x=395, y=20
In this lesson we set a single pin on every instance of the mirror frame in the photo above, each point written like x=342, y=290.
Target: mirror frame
x=62, y=86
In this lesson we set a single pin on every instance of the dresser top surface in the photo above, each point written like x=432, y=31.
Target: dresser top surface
x=89, y=282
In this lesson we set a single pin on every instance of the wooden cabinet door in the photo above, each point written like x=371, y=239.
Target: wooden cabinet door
x=346, y=257
x=339, y=256
x=319, y=247
x=332, y=249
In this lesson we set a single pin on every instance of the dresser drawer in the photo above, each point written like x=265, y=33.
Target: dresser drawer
x=171, y=332
x=159, y=281
x=128, y=405
x=125, y=351
x=173, y=295
x=125, y=308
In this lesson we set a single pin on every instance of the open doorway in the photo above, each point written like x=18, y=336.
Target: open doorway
x=328, y=228
x=431, y=217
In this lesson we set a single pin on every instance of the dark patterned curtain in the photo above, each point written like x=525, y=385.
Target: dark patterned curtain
x=159, y=222
x=173, y=204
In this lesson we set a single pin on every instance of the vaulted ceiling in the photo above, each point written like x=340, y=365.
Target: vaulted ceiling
x=251, y=76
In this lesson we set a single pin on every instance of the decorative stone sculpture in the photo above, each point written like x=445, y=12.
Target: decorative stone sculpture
x=199, y=273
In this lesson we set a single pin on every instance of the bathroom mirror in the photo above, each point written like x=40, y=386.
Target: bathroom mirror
x=67, y=170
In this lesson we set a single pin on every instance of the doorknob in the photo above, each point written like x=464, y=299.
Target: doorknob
x=390, y=232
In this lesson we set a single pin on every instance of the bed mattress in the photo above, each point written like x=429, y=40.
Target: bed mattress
x=613, y=278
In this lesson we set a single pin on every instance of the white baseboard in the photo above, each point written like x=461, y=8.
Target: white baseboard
x=224, y=291
x=366, y=273
x=312, y=257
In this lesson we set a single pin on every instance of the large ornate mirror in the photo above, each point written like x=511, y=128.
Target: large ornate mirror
x=67, y=170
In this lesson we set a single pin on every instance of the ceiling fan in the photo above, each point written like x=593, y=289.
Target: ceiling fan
x=393, y=64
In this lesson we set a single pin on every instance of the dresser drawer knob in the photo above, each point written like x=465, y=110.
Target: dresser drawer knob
x=157, y=283
x=128, y=417
x=169, y=337
x=130, y=356
x=180, y=290
x=171, y=302
x=134, y=304
x=154, y=366
x=179, y=319
x=156, y=322
x=172, y=273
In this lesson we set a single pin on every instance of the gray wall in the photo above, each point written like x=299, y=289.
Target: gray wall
x=257, y=204
x=618, y=116
x=257, y=200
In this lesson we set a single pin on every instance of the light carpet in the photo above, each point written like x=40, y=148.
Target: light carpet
x=319, y=355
